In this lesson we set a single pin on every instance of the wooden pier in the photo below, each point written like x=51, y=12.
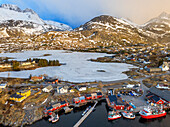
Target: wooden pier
x=86, y=115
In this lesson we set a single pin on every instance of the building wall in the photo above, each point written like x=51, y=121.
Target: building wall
x=154, y=69
x=18, y=99
x=26, y=93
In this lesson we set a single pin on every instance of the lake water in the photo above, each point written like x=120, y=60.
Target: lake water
x=77, y=68
x=98, y=118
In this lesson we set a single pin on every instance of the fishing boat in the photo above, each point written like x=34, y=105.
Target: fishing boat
x=148, y=113
x=51, y=118
x=128, y=115
x=87, y=109
x=46, y=113
x=112, y=115
x=55, y=119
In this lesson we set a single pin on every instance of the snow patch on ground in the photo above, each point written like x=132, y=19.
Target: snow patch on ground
x=77, y=68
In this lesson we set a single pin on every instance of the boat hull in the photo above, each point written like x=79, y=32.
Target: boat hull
x=127, y=116
x=153, y=116
x=53, y=121
x=114, y=118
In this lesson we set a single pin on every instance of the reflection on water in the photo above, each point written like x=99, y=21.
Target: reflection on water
x=141, y=120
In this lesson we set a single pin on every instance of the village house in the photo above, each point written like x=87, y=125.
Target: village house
x=71, y=90
x=162, y=86
x=27, y=63
x=17, y=98
x=48, y=89
x=36, y=78
x=154, y=69
x=5, y=65
x=51, y=81
x=24, y=93
x=158, y=96
x=3, y=85
x=164, y=66
x=20, y=95
x=115, y=102
x=62, y=89
x=81, y=88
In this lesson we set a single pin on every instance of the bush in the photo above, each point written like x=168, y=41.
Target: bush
x=15, y=65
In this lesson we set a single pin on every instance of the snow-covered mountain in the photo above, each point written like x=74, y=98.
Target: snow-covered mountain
x=115, y=30
x=58, y=25
x=102, y=31
x=158, y=27
x=13, y=18
x=13, y=12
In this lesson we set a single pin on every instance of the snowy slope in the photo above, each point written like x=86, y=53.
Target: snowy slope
x=158, y=27
x=10, y=13
x=13, y=18
x=59, y=25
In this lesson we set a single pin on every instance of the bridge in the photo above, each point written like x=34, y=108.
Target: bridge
x=85, y=116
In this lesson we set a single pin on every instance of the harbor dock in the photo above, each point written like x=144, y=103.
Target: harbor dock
x=86, y=115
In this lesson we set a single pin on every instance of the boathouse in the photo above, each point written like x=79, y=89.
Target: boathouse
x=88, y=96
x=99, y=95
x=56, y=106
x=158, y=96
x=79, y=99
x=76, y=100
x=115, y=102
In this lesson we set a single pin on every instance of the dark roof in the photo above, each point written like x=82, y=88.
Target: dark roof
x=50, y=80
x=149, y=94
x=155, y=98
x=99, y=93
x=16, y=95
x=114, y=99
x=164, y=94
x=63, y=102
x=88, y=95
x=48, y=108
x=80, y=86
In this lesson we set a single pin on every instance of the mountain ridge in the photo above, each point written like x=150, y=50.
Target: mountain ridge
x=101, y=31
x=27, y=16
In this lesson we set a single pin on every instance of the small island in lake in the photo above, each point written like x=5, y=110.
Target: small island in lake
x=29, y=64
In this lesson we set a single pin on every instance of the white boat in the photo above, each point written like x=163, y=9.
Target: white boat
x=113, y=115
x=148, y=113
x=128, y=115
x=51, y=118
x=55, y=119
x=87, y=109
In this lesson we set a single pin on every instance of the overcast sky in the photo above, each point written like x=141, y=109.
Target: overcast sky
x=77, y=12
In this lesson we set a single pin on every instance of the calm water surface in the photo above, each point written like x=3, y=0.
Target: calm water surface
x=98, y=118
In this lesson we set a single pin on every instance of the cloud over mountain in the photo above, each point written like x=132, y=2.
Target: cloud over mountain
x=76, y=12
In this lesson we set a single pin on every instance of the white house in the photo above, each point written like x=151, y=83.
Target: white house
x=3, y=85
x=5, y=65
x=162, y=86
x=71, y=90
x=130, y=86
x=81, y=88
x=62, y=89
x=164, y=66
x=48, y=89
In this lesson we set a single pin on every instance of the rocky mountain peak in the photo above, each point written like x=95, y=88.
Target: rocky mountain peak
x=11, y=7
x=103, y=18
x=29, y=10
x=164, y=14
